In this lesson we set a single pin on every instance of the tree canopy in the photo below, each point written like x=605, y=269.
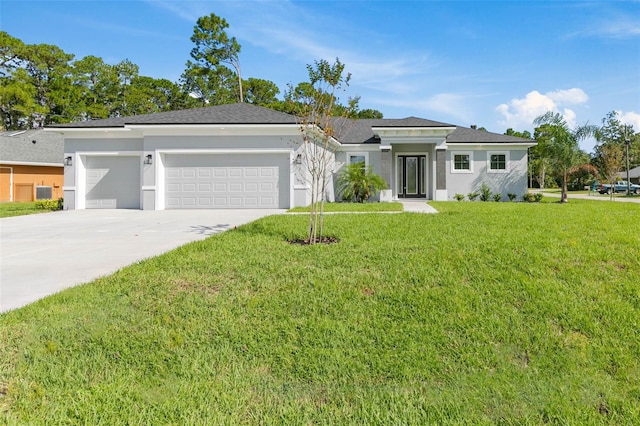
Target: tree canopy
x=614, y=132
x=41, y=84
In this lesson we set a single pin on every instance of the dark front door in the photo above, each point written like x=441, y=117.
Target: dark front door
x=412, y=174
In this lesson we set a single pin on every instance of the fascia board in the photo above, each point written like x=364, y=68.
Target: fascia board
x=391, y=132
x=225, y=151
x=315, y=128
x=482, y=145
x=359, y=147
x=215, y=129
x=96, y=133
x=31, y=163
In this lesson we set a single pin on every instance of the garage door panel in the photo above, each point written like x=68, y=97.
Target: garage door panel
x=267, y=187
x=250, y=173
x=174, y=173
x=227, y=181
x=204, y=173
x=112, y=182
x=235, y=187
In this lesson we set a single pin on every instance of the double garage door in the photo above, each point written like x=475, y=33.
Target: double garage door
x=202, y=181
x=226, y=181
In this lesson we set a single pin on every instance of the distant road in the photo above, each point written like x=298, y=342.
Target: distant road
x=596, y=197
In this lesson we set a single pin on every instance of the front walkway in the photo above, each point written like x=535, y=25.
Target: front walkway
x=417, y=206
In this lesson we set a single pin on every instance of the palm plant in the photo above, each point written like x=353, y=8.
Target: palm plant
x=563, y=149
x=358, y=183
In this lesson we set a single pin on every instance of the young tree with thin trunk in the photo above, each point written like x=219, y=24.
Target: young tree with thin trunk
x=611, y=161
x=318, y=128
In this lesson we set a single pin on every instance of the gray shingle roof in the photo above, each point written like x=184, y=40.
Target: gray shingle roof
x=407, y=122
x=467, y=135
x=19, y=147
x=239, y=113
x=361, y=131
x=346, y=131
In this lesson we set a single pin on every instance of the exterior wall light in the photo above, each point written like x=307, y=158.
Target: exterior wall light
x=298, y=159
x=147, y=159
x=68, y=161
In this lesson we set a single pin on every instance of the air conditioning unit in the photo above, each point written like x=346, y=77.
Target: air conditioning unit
x=44, y=192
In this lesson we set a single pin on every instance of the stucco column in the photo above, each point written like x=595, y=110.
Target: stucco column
x=385, y=172
x=441, y=174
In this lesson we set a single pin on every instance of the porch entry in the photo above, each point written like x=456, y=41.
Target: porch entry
x=412, y=176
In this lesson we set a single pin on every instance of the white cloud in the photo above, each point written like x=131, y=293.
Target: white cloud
x=188, y=11
x=617, y=27
x=632, y=118
x=520, y=113
x=570, y=96
x=451, y=104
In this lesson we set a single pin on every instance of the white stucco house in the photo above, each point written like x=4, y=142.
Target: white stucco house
x=245, y=156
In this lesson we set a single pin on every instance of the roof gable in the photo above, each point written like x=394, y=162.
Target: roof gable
x=362, y=130
x=467, y=135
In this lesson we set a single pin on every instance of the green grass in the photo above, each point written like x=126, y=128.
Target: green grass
x=487, y=313
x=355, y=207
x=19, y=209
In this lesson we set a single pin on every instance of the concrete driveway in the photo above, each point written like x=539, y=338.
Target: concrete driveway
x=43, y=254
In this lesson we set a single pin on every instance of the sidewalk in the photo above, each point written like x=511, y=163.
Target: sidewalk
x=595, y=196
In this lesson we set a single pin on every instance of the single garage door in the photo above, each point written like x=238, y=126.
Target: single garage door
x=227, y=181
x=113, y=182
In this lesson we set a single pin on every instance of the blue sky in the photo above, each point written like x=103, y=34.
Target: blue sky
x=497, y=64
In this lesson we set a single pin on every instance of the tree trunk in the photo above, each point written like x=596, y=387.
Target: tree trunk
x=563, y=196
x=543, y=176
x=240, y=85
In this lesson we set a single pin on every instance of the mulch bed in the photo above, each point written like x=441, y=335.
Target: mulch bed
x=306, y=242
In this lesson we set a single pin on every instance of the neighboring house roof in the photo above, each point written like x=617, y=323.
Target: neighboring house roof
x=31, y=147
x=633, y=173
x=239, y=113
x=468, y=135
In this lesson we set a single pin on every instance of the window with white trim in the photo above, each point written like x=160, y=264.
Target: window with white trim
x=461, y=162
x=358, y=157
x=498, y=161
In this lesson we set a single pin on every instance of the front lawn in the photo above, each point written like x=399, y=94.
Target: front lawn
x=511, y=313
x=19, y=209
